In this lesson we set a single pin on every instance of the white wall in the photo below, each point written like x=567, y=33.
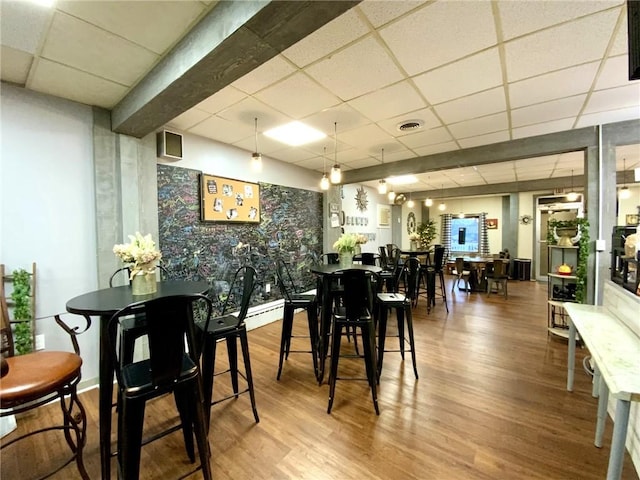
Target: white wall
x=628, y=206
x=47, y=205
x=349, y=207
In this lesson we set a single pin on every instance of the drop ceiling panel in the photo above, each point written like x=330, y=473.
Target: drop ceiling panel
x=15, y=65
x=425, y=115
x=85, y=47
x=543, y=128
x=610, y=116
x=266, y=145
x=220, y=100
x=266, y=74
x=620, y=43
x=345, y=74
x=560, y=47
x=544, y=112
x=334, y=35
x=487, y=139
x=426, y=137
x=245, y=112
x=222, y=130
x=22, y=25
x=189, y=119
x=295, y=154
x=550, y=86
x=452, y=81
x=297, y=96
x=388, y=102
x=480, y=126
x=55, y=79
x=438, y=148
x=380, y=13
x=615, y=73
x=614, y=98
x=472, y=106
x=458, y=28
x=366, y=136
x=163, y=22
x=344, y=115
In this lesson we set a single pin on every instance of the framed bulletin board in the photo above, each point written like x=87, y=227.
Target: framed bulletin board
x=227, y=200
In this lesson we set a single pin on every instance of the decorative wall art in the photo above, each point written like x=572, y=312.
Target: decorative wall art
x=227, y=200
x=384, y=216
x=492, y=223
x=631, y=219
x=361, y=199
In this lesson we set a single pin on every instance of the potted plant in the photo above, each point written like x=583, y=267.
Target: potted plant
x=21, y=296
x=426, y=233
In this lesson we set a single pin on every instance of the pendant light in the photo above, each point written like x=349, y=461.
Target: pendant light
x=382, y=184
x=336, y=174
x=572, y=196
x=442, y=207
x=410, y=203
x=256, y=158
x=428, y=202
x=324, y=183
x=624, y=191
x=391, y=195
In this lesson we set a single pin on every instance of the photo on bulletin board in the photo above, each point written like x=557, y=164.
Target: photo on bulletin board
x=228, y=200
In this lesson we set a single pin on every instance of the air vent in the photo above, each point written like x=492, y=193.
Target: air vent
x=410, y=125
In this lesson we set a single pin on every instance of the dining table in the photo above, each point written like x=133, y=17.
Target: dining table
x=477, y=280
x=104, y=303
x=326, y=273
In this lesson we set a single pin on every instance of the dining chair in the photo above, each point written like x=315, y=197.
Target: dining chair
x=354, y=314
x=438, y=268
x=170, y=368
x=496, y=274
x=401, y=302
x=461, y=274
x=293, y=300
x=330, y=258
x=231, y=328
x=135, y=326
x=38, y=378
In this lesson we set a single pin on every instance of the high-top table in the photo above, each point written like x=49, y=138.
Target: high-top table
x=105, y=303
x=326, y=273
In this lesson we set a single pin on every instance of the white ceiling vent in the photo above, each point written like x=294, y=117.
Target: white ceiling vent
x=410, y=125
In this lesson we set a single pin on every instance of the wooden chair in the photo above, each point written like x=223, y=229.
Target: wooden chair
x=496, y=274
x=35, y=379
x=461, y=274
x=169, y=369
x=293, y=300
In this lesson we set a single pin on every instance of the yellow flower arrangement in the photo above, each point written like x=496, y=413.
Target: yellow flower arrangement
x=346, y=243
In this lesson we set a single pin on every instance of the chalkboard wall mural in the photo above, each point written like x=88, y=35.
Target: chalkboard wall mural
x=290, y=228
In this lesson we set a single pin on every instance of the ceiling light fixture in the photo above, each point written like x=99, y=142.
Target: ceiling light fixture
x=336, y=174
x=324, y=183
x=382, y=184
x=295, y=134
x=428, y=202
x=442, y=207
x=256, y=158
x=572, y=196
x=391, y=195
x=624, y=191
x=410, y=203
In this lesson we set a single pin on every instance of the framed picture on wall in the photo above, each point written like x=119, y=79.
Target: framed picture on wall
x=492, y=223
x=228, y=200
x=631, y=219
x=384, y=216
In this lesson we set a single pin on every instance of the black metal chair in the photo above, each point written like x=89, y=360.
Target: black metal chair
x=356, y=314
x=230, y=328
x=133, y=327
x=293, y=299
x=169, y=369
x=35, y=379
x=401, y=302
x=438, y=268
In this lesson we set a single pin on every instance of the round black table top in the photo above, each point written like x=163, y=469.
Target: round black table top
x=336, y=268
x=109, y=300
x=415, y=252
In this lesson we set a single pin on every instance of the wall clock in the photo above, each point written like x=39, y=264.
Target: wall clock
x=525, y=219
x=411, y=223
x=361, y=199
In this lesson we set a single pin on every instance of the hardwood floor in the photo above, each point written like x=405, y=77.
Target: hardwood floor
x=490, y=404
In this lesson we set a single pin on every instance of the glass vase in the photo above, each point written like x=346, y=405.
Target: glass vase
x=346, y=260
x=144, y=283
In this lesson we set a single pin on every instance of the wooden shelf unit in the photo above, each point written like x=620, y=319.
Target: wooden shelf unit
x=561, y=288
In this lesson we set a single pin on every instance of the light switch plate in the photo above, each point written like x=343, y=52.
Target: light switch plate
x=601, y=245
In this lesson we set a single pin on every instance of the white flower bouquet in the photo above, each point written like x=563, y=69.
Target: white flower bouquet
x=346, y=243
x=414, y=237
x=361, y=239
x=141, y=254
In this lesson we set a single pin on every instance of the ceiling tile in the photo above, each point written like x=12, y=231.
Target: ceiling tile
x=484, y=139
x=615, y=73
x=379, y=13
x=563, y=83
x=295, y=154
x=15, y=65
x=542, y=128
x=457, y=28
x=363, y=163
x=559, y=47
x=246, y=111
x=370, y=134
x=22, y=25
x=221, y=99
x=82, y=46
x=614, y=98
x=439, y=148
x=345, y=74
x=297, y=96
x=620, y=43
x=544, y=112
x=314, y=163
x=452, y=81
x=388, y=102
x=222, y=130
x=189, y=118
x=611, y=116
x=266, y=145
x=334, y=35
x=519, y=18
x=269, y=72
x=424, y=115
x=164, y=22
x=345, y=116
x=472, y=106
x=480, y=126
x=425, y=137
x=62, y=81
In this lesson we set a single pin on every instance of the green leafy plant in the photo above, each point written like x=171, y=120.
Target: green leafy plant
x=582, y=224
x=21, y=297
x=426, y=233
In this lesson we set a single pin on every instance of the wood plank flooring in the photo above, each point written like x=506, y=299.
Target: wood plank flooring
x=490, y=404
